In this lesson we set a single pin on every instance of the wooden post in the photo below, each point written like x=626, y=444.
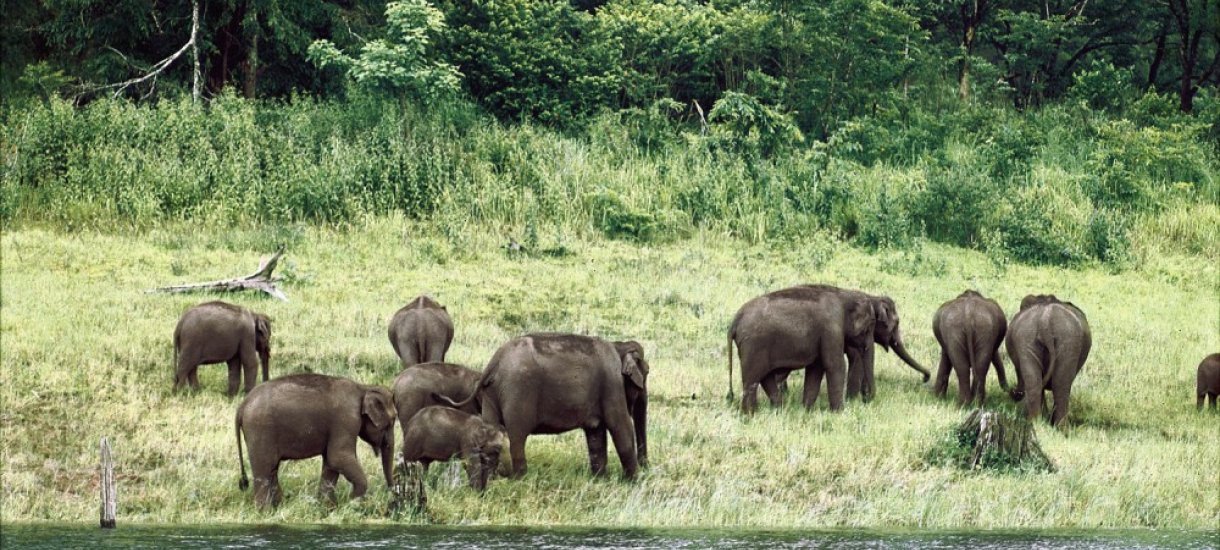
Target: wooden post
x=108, y=496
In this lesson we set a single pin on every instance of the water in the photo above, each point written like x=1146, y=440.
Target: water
x=59, y=537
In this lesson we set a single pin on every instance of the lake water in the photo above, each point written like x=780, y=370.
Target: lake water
x=61, y=537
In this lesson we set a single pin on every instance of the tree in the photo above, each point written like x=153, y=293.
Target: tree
x=404, y=64
x=1196, y=22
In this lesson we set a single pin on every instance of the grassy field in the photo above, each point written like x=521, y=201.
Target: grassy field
x=86, y=353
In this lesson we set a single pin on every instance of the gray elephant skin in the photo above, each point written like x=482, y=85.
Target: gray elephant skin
x=550, y=383
x=220, y=332
x=813, y=327
x=306, y=415
x=969, y=329
x=1048, y=342
x=415, y=387
x=421, y=332
x=1208, y=381
x=440, y=433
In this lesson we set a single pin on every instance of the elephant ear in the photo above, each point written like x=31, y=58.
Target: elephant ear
x=377, y=408
x=635, y=368
x=886, y=322
x=262, y=328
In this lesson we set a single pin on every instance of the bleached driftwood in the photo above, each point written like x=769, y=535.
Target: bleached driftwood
x=259, y=280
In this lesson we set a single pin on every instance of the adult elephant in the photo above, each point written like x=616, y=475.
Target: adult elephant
x=421, y=331
x=969, y=329
x=1048, y=342
x=812, y=327
x=417, y=386
x=548, y=383
x=307, y=415
x=220, y=332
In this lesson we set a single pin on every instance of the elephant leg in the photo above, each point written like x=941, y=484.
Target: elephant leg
x=234, y=375
x=1212, y=401
x=516, y=450
x=835, y=365
x=980, y=362
x=184, y=371
x=770, y=386
x=960, y=362
x=1199, y=401
x=342, y=457
x=754, y=367
x=1063, y=395
x=266, y=471
x=963, y=384
x=326, y=485
x=623, y=433
x=942, y=375
x=781, y=384
x=249, y=363
x=193, y=377
x=855, y=375
x=813, y=384
x=867, y=359
x=596, y=439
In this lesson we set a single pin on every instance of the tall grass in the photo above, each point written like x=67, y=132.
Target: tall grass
x=87, y=354
x=1063, y=185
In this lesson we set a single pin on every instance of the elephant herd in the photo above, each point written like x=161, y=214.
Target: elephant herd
x=547, y=383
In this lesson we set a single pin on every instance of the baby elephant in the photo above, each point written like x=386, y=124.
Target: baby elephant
x=440, y=433
x=1208, y=381
x=307, y=415
x=220, y=332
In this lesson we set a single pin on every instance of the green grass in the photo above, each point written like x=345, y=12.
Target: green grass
x=85, y=353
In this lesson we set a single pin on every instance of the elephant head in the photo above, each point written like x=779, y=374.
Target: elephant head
x=485, y=446
x=635, y=384
x=886, y=334
x=262, y=342
x=377, y=426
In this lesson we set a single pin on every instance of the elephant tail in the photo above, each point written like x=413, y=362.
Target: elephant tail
x=1053, y=360
x=484, y=380
x=244, y=482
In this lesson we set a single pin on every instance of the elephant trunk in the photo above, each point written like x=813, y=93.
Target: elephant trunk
x=640, y=420
x=265, y=357
x=387, y=456
x=901, y=350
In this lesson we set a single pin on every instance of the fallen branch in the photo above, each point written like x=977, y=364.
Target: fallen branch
x=259, y=280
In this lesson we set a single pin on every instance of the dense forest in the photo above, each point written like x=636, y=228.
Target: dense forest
x=1053, y=131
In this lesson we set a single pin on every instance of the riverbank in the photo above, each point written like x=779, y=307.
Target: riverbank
x=86, y=353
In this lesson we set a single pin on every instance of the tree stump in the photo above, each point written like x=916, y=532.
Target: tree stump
x=408, y=492
x=997, y=441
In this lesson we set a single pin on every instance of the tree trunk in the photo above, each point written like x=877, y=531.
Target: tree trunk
x=250, y=69
x=1154, y=68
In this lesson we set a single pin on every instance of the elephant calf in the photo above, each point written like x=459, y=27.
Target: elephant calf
x=441, y=433
x=1208, y=380
x=307, y=415
x=421, y=332
x=220, y=332
x=969, y=329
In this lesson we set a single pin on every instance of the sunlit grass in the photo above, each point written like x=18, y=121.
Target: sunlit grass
x=85, y=353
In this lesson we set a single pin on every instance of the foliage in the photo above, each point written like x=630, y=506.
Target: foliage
x=404, y=64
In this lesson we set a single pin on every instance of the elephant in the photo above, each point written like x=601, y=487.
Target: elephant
x=549, y=383
x=1048, y=342
x=414, y=387
x=813, y=327
x=441, y=433
x=306, y=415
x=421, y=331
x=220, y=332
x=1208, y=381
x=969, y=329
